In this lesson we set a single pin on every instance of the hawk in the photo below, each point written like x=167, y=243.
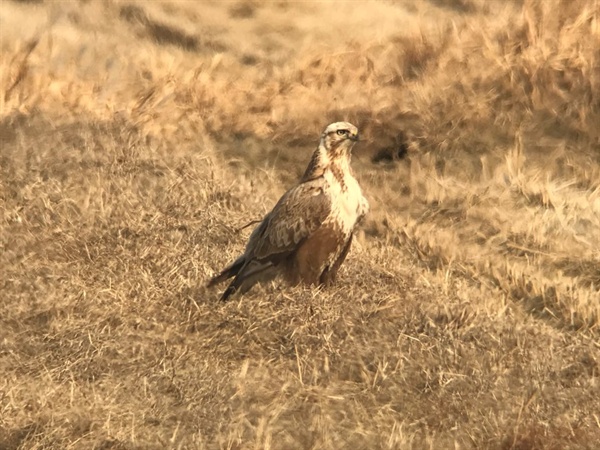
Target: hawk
x=308, y=234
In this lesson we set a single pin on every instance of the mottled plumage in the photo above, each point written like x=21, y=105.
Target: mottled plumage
x=307, y=235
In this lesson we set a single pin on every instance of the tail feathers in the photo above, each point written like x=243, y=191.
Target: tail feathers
x=228, y=272
x=248, y=276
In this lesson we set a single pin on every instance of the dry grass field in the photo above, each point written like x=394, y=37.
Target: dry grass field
x=138, y=138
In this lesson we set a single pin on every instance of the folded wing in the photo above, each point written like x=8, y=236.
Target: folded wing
x=294, y=218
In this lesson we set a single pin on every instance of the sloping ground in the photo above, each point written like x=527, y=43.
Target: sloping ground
x=137, y=138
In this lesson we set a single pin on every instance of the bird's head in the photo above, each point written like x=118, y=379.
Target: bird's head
x=336, y=143
x=339, y=138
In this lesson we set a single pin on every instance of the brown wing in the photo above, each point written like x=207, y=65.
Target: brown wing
x=298, y=213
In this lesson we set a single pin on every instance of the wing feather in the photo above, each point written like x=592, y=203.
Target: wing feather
x=298, y=213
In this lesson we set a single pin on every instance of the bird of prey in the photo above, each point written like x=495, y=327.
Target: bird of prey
x=308, y=233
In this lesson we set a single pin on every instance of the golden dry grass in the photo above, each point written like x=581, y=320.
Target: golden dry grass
x=137, y=137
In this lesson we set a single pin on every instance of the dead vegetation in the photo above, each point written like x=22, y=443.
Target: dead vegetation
x=137, y=137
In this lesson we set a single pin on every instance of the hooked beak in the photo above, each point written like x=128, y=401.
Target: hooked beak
x=353, y=137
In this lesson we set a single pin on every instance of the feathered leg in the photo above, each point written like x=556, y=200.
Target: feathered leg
x=306, y=264
x=330, y=273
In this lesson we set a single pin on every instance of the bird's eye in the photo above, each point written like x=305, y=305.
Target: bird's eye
x=342, y=132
